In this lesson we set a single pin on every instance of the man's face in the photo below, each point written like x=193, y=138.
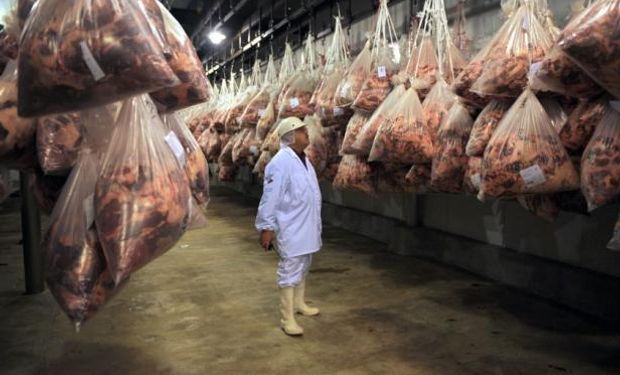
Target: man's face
x=301, y=137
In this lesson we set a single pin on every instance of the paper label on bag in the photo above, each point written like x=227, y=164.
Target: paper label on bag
x=533, y=176
x=177, y=148
x=89, y=210
x=381, y=72
x=615, y=104
x=475, y=180
x=294, y=102
x=89, y=59
x=338, y=111
x=535, y=68
x=261, y=113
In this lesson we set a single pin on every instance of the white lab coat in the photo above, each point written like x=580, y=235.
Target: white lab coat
x=291, y=204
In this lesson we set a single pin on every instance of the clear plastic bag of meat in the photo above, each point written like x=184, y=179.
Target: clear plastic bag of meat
x=354, y=127
x=592, y=42
x=542, y=206
x=581, y=123
x=450, y=161
x=505, y=69
x=459, y=34
x=485, y=125
x=266, y=122
x=384, y=63
x=256, y=109
x=600, y=164
x=366, y=137
x=46, y=190
x=59, y=139
x=317, y=151
x=107, y=53
x=404, y=136
x=331, y=114
x=423, y=66
x=471, y=181
x=194, y=86
x=23, y=11
x=226, y=156
x=76, y=271
x=17, y=134
x=194, y=162
x=211, y=143
x=437, y=105
x=354, y=78
x=525, y=155
x=354, y=173
x=559, y=74
x=555, y=111
x=418, y=179
x=296, y=101
x=239, y=153
x=142, y=197
x=454, y=62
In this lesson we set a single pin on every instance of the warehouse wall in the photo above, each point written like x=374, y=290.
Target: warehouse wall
x=566, y=261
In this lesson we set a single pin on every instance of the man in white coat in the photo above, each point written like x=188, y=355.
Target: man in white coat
x=290, y=214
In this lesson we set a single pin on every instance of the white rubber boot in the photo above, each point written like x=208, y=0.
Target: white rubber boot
x=288, y=323
x=300, y=301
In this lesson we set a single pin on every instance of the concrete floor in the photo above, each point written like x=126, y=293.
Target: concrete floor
x=210, y=307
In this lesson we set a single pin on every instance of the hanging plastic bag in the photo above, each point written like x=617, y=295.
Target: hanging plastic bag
x=424, y=67
x=392, y=179
x=437, y=105
x=333, y=137
x=600, y=170
x=419, y=178
x=183, y=59
x=355, y=126
x=257, y=108
x=239, y=153
x=17, y=134
x=59, y=139
x=107, y=53
x=296, y=101
x=23, y=11
x=194, y=161
x=460, y=38
x=76, y=270
x=239, y=102
x=485, y=125
x=450, y=160
x=366, y=137
x=581, y=123
x=525, y=155
x=471, y=181
x=317, y=151
x=356, y=174
x=384, y=63
x=349, y=88
x=404, y=136
x=559, y=74
x=265, y=123
x=142, y=198
x=591, y=41
x=542, y=206
x=505, y=70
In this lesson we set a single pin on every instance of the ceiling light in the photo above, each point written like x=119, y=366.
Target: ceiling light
x=216, y=37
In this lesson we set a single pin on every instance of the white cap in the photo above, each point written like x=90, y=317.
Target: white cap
x=289, y=124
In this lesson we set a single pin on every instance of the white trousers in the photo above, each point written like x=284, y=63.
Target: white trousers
x=292, y=271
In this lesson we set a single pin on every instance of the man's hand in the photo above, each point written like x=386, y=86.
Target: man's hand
x=266, y=238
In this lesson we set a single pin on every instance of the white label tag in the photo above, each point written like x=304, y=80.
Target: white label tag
x=344, y=89
x=89, y=210
x=89, y=59
x=294, y=102
x=381, y=72
x=533, y=176
x=338, y=111
x=261, y=113
x=615, y=104
x=535, y=68
x=475, y=180
x=176, y=147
